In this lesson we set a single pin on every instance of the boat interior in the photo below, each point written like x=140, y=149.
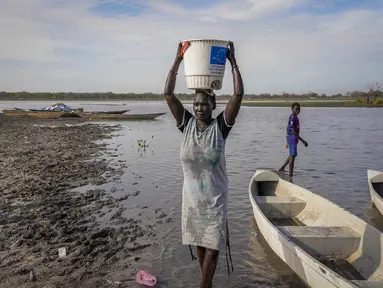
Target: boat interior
x=336, y=238
x=378, y=187
x=377, y=184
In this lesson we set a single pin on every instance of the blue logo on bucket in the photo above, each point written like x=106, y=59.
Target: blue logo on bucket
x=218, y=55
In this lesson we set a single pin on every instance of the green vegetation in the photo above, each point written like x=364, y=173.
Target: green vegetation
x=372, y=98
x=379, y=103
x=109, y=96
x=142, y=145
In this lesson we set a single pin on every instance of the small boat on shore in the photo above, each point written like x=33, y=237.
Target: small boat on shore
x=102, y=115
x=118, y=112
x=106, y=116
x=325, y=245
x=34, y=114
x=375, y=183
x=45, y=110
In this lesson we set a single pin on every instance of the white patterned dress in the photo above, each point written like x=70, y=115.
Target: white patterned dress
x=205, y=187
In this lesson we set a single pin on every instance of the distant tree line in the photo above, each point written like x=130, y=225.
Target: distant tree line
x=374, y=92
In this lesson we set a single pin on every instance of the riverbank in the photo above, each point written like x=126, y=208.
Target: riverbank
x=335, y=104
x=42, y=164
x=219, y=98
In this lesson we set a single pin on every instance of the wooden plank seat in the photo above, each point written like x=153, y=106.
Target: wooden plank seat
x=324, y=243
x=275, y=207
x=367, y=284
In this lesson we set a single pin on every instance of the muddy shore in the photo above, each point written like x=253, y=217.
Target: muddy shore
x=41, y=164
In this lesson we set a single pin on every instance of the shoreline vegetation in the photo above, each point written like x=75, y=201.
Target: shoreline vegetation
x=372, y=98
x=324, y=104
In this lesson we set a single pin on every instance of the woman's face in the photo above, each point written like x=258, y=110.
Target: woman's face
x=203, y=106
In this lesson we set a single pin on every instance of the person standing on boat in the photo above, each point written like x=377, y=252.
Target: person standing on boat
x=205, y=187
x=293, y=138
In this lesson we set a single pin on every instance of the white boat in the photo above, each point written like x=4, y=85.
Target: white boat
x=325, y=245
x=375, y=183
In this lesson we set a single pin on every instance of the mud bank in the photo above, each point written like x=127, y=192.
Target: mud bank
x=41, y=162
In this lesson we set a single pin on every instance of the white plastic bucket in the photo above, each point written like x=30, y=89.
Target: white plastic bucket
x=205, y=63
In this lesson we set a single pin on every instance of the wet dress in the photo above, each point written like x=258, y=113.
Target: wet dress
x=205, y=186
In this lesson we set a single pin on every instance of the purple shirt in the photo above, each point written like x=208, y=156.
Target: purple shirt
x=293, y=123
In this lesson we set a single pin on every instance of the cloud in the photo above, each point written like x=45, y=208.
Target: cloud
x=128, y=46
x=120, y=8
x=239, y=10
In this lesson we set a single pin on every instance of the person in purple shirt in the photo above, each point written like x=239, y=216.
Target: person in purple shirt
x=293, y=138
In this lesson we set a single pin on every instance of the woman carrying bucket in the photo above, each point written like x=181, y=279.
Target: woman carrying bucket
x=205, y=187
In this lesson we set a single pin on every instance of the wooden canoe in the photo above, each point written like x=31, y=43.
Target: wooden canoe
x=119, y=112
x=325, y=245
x=18, y=113
x=104, y=116
x=375, y=183
x=44, y=110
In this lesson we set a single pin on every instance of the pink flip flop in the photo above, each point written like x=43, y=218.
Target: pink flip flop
x=145, y=278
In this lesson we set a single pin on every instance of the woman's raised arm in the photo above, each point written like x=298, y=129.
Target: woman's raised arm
x=232, y=108
x=174, y=103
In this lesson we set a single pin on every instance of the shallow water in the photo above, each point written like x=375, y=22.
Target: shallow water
x=343, y=144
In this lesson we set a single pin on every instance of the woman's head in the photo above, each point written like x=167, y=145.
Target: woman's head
x=204, y=104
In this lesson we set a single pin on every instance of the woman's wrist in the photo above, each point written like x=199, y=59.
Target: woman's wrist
x=175, y=65
x=177, y=61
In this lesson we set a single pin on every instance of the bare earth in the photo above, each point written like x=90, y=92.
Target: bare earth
x=41, y=161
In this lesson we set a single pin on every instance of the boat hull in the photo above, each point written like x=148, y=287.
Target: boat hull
x=85, y=115
x=308, y=268
x=119, y=117
x=118, y=112
x=68, y=111
x=45, y=115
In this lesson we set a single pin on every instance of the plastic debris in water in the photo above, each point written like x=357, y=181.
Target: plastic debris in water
x=62, y=252
x=113, y=282
x=32, y=276
x=254, y=233
x=145, y=278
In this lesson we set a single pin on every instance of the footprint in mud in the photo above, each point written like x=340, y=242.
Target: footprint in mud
x=123, y=198
x=136, y=193
x=159, y=213
x=118, y=214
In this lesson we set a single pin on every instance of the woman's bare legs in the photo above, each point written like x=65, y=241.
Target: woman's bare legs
x=201, y=255
x=208, y=259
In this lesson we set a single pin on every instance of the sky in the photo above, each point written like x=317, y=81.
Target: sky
x=123, y=46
